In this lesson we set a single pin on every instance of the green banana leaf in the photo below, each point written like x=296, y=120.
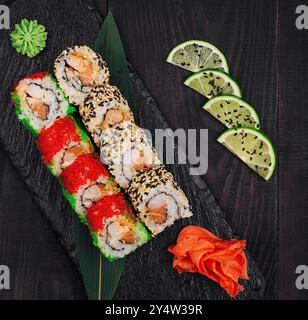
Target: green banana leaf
x=100, y=276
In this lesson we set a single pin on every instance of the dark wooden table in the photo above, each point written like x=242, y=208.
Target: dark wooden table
x=267, y=54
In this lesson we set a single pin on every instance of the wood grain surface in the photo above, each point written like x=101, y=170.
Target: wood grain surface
x=267, y=55
x=39, y=265
x=293, y=150
x=242, y=30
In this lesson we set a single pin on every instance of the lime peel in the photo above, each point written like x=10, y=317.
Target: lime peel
x=233, y=111
x=29, y=37
x=211, y=83
x=195, y=55
x=253, y=147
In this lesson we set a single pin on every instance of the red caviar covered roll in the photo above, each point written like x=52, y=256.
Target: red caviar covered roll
x=61, y=143
x=68, y=152
x=116, y=232
x=85, y=182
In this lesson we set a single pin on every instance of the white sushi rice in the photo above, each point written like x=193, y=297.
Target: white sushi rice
x=45, y=90
x=101, y=110
x=80, y=206
x=176, y=203
x=109, y=240
x=72, y=86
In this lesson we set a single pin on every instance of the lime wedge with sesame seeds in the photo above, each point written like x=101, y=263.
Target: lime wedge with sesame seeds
x=212, y=83
x=233, y=112
x=253, y=147
x=195, y=55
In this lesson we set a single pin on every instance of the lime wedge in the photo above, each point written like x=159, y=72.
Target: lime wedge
x=233, y=112
x=253, y=147
x=195, y=55
x=211, y=83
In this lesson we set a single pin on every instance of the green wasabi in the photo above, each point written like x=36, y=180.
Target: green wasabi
x=29, y=37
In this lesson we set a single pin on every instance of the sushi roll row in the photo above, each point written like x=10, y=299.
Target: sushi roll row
x=124, y=147
x=69, y=154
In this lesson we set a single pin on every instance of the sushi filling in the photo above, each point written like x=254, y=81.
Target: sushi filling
x=78, y=70
x=119, y=234
x=72, y=153
x=91, y=193
x=66, y=157
x=162, y=209
x=119, y=237
x=41, y=102
x=95, y=193
x=113, y=118
x=129, y=163
x=140, y=158
x=159, y=207
x=106, y=117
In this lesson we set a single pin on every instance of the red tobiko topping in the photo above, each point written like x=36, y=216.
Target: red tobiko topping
x=38, y=75
x=55, y=138
x=86, y=168
x=224, y=261
x=106, y=208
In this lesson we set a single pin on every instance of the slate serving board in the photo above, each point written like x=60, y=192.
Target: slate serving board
x=148, y=273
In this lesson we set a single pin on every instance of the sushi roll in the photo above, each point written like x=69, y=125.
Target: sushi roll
x=39, y=102
x=116, y=232
x=158, y=200
x=79, y=69
x=85, y=182
x=128, y=154
x=61, y=143
x=105, y=111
